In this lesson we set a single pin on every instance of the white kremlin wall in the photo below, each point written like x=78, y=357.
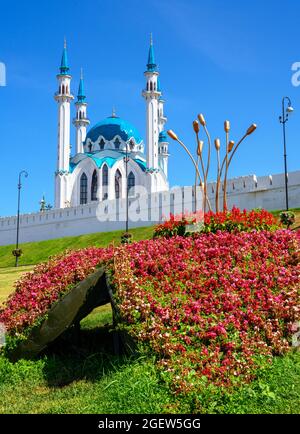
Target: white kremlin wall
x=248, y=192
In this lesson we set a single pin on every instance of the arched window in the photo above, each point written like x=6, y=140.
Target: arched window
x=90, y=147
x=105, y=175
x=117, y=143
x=131, y=184
x=94, y=186
x=151, y=85
x=147, y=85
x=63, y=88
x=118, y=183
x=83, y=189
x=102, y=143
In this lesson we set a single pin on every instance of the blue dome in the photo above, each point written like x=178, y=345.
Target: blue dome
x=111, y=127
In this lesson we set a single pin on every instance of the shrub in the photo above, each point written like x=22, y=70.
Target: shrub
x=177, y=225
x=126, y=238
x=287, y=218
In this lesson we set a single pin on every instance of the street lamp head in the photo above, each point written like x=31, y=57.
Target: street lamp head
x=23, y=172
x=289, y=109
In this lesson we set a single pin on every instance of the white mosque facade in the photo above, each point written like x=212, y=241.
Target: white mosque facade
x=112, y=150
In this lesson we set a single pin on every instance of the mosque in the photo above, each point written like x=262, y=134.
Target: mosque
x=112, y=151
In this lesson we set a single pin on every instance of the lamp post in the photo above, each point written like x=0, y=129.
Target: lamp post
x=17, y=251
x=283, y=119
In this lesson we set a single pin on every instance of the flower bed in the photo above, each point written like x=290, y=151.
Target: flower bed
x=213, y=307
x=229, y=221
x=38, y=290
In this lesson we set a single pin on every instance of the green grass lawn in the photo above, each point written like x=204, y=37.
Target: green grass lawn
x=7, y=278
x=34, y=253
x=91, y=379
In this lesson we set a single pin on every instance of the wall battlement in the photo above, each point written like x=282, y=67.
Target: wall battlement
x=251, y=183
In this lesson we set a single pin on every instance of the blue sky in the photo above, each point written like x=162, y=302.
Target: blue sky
x=227, y=59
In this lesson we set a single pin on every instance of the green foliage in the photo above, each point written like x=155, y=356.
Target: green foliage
x=276, y=390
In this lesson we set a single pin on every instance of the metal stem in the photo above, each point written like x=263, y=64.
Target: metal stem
x=195, y=164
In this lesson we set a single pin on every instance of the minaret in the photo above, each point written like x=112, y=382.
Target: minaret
x=63, y=97
x=161, y=117
x=163, y=144
x=81, y=121
x=163, y=155
x=151, y=95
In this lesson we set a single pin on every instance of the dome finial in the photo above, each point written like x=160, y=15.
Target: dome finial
x=113, y=114
x=151, y=39
x=81, y=73
x=65, y=42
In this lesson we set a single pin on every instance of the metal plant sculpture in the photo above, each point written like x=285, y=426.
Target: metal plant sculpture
x=230, y=150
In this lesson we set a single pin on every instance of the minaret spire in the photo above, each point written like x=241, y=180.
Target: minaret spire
x=151, y=65
x=81, y=121
x=81, y=94
x=64, y=66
